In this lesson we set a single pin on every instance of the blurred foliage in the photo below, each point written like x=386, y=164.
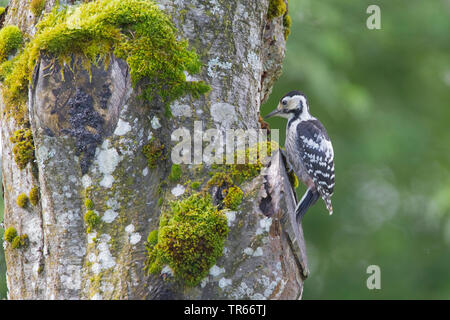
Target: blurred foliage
x=4, y=3
x=383, y=96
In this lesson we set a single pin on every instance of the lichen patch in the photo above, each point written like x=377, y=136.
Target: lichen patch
x=216, y=271
x=155, y=123
x=223, y=114
x=178, y=190
x=122, y=128
x=129, y=228
x=217, y=68
x=107, y=160
x=231, y=217
x=224, y=282
x=109, y=216
x=104, y=259
x=264, y=225
x=180, y=110
x=135, y=238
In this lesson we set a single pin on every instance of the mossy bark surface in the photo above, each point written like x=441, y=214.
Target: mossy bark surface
x=97, y=155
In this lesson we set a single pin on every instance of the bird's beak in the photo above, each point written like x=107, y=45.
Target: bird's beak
x=273, y=113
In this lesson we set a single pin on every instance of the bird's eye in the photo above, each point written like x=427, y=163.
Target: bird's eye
x=284, y=102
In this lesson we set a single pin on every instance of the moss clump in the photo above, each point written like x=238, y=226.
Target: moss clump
x=228, y=177
x=15, y=243
x=36, y=6
x=233, y=198
x=153, y=151
x=220, y=179
x=10, y=40
x=89, y=204
x=287, y=23
x=243, y=172
x=92, y=220
x=24, y=241
x=23, y=147
x=293, y=179
x=276, y=8
x=10, y=234
x=22, y=200
x=175, y=173
x=196, y=185
x=34, y=196
x=2, y=10
x=252, y=165
x=20, y=242
x=5, y=69
x=152, y=238
x=190, y=240
x=133, y=30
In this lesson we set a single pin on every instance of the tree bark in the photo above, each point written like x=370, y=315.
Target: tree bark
x=264, y=256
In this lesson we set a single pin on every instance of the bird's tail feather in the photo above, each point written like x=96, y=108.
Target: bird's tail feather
x=309, y=198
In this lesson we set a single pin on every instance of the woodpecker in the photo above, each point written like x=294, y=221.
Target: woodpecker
x=309, y=151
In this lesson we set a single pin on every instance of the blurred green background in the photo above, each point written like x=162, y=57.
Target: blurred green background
x=384, y=97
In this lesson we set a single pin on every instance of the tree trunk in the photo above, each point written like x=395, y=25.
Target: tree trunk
x=263, y=257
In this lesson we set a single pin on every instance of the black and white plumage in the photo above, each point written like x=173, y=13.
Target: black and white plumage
x=309, y=151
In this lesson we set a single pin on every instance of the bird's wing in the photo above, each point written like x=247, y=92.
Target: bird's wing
x=317, y=155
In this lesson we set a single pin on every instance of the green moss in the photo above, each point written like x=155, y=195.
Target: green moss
x=233, y=198
x=23, y=147
x=153, y=151
x=243, y=172
x=220, y=179
x=249, y=169
x=152, y=238
x=34, y=196
x=175, y=173
x=228, y=177
x=276, y=8
x=36, y=6
x=287, y=23
x=10, y=40
x=89, y=204
x=196, y=185
x=92, y=220
x=10, y=234
x=22, y=200
x=293, y=179
x=190, y=240
x=134, y=30
x=160, y=201
x=5, y=69
x=15, y=243
x=20, y=242
x=24, y=241
x=2, y=10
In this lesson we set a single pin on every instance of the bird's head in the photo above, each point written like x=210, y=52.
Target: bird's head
x=293, y=104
